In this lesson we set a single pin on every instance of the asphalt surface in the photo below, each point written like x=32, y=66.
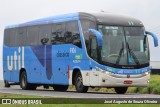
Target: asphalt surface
x=71, y=94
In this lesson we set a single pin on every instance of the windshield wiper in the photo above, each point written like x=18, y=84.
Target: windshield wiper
x=132, y=54
x=120, y=54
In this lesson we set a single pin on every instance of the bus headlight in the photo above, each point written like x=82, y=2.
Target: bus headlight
x=146, y=73
x=108, y=73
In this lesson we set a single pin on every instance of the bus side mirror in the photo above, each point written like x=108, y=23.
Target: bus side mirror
x=154, y=38
x=98, y=36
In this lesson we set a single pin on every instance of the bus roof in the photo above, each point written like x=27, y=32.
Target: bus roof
x=117, y=19
x=101, y=18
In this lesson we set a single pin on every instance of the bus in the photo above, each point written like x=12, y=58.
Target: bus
x=81, y=49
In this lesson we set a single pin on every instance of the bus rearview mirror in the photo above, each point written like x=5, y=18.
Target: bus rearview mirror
x=98, y=36
x=155, y=39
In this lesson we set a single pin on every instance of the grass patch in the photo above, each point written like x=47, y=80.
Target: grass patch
x=152, y=88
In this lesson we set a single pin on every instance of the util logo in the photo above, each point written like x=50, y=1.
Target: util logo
x=16, y=60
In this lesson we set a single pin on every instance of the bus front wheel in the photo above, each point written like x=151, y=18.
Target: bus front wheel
x=121, y=90
x=79, y=83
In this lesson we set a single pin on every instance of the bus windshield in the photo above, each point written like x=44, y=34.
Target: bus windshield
x=124, y=45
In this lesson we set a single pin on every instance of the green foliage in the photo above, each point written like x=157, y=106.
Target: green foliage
x=152, y=88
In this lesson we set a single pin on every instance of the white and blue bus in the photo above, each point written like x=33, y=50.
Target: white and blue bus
x=81, y=49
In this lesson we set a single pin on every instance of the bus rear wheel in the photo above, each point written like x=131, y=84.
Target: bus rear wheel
x=6, y=84
x=79, y=83
x=60, y=87
x=121, y=90
x=24, y=83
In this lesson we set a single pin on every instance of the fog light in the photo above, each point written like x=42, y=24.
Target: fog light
x=146, y=73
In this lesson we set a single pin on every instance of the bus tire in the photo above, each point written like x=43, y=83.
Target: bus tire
x=6, y=84
x=79, y=83
x=121, y=90
x=60, y=87
x=24, y=83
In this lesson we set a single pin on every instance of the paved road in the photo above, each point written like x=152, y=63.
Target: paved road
x=72, y=94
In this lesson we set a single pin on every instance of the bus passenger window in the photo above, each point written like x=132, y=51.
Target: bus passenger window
x=7, y=37
x=44, y=34
x=72, y=35
x=21, y=36
x=13, y=37
x=32, y=35
x=57, y=35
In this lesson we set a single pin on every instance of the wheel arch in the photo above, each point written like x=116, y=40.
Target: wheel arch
x=75, y=71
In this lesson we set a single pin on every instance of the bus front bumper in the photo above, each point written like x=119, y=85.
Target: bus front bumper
x=114, y=80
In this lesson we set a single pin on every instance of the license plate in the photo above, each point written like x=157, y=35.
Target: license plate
x=127, y=82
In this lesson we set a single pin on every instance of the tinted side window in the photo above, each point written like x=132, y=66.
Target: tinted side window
x=86, y=25
x=21, y=36
x=13, y=37
x=7, y=37
x=94, y=48
x=32, y=35
x=72, y=34
x=57, y=36
x=53, y=34
x=44, y=35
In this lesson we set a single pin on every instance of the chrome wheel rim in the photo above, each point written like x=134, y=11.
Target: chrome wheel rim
x=79, y=82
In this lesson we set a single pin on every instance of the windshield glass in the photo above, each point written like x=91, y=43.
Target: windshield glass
x=124, y=45
x=137, y=45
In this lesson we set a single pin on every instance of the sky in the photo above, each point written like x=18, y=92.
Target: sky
x=19, y=11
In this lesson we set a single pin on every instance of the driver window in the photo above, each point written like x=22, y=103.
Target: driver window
x=94, y=48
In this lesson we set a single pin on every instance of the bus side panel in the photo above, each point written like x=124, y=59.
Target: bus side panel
x=60, y=63
x=29, y=59
x=60, y=72
x=32, y=65
x=67, y=57
x=6, y=72
x=11, y=65
x=36, y=65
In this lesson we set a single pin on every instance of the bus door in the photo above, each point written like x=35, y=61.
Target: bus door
x=94, y=75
